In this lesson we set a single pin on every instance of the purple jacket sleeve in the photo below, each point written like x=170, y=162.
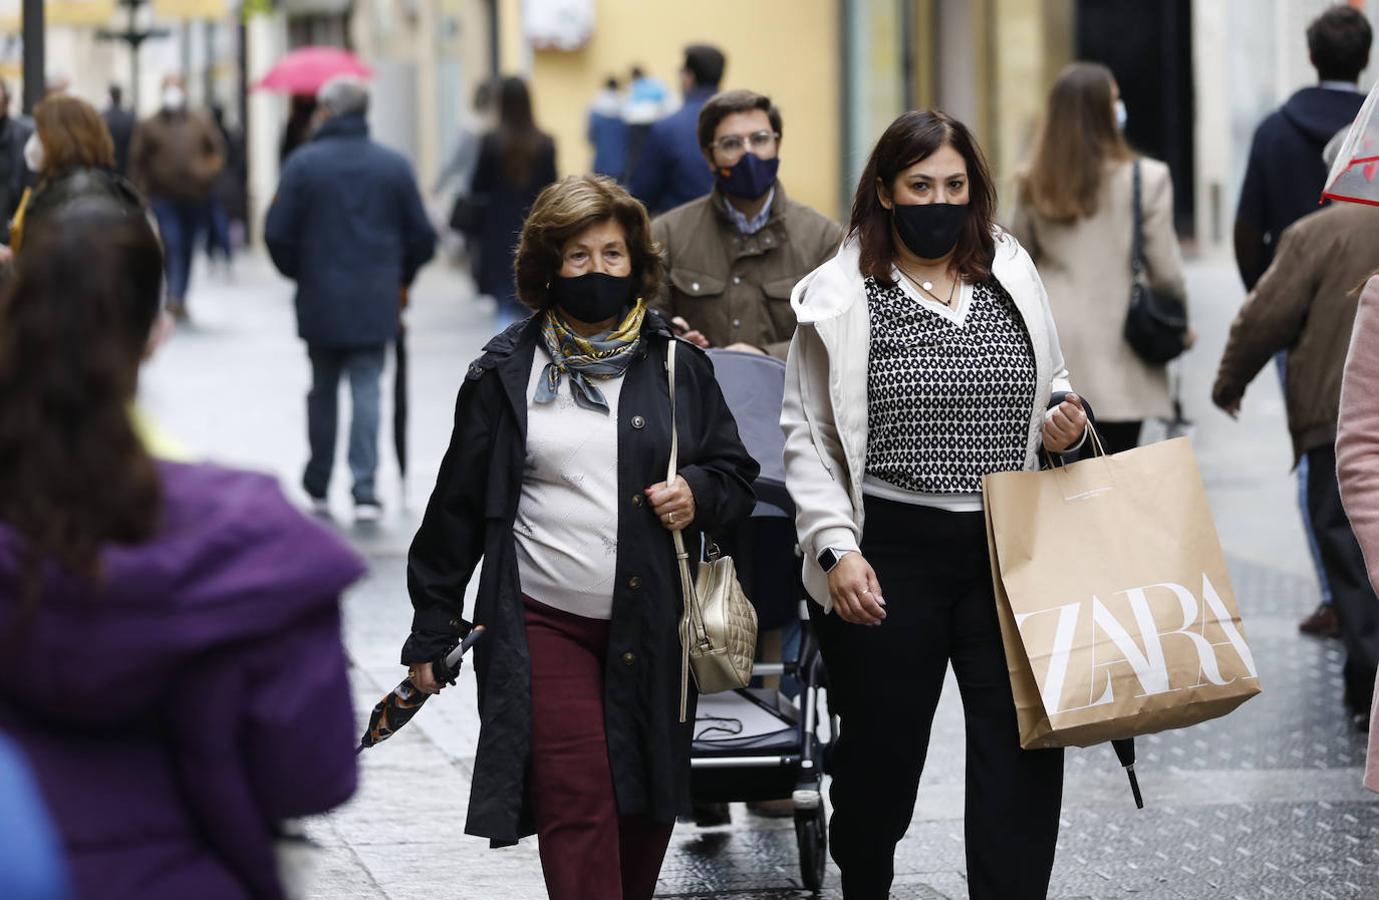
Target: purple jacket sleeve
x=300, y=731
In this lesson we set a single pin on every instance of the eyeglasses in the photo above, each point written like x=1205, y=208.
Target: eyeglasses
x=735, y=143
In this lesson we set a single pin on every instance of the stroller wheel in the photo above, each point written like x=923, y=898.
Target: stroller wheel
x=811, y=835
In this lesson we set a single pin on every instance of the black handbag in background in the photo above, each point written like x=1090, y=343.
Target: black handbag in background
x=1156, y=325
x=467, y=215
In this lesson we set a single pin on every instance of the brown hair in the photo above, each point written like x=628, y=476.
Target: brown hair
x=562, y=211
x=73, y=134
x=724, y=104
x=74, y=476
x=1076, y=140
x=520, y=142
x=913, y=137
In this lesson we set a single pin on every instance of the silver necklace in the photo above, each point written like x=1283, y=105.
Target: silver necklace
x=928, y=288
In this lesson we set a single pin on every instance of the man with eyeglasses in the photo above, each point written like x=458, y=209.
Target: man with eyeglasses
x=733, y=256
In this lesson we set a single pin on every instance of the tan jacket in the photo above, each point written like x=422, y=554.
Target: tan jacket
x=735, y=287
x=176, y=156
x=1305, y=304
x=1085, y=266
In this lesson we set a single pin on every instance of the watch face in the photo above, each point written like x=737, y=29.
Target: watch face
x=827, y=559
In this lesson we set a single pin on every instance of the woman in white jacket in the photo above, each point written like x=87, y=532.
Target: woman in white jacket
x=925, y=358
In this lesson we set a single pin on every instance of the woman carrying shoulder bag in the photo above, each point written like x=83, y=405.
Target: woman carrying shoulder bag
x=925, y=359
x=1075, y=216
x=556, y=479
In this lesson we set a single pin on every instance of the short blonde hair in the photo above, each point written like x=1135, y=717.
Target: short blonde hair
x=562, y=211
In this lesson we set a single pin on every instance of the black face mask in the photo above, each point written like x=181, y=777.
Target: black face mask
x=750, y=177
x=930, y=230
x=592, y=297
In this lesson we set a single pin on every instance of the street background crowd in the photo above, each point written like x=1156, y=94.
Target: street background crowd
x=354, y=229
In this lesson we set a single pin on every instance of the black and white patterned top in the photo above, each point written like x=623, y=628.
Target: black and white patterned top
x=947, y=401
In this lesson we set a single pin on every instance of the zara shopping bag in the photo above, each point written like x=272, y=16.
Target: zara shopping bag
x=1115, y=604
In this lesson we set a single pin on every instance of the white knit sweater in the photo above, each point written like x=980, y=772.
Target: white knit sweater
x=567, y=519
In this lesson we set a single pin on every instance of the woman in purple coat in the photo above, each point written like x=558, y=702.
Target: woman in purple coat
x=170, y=656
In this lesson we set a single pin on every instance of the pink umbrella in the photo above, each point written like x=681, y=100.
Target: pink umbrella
x=307, y=69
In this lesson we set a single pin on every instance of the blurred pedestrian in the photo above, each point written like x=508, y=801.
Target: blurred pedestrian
x=564, y=497
x=453, y=183
x=1075, y=217
x=224, y=195
x=348, y=225
x=30, y=855
x=15, y=132
x=301, y=121
x=1284, y=175
x=926, y=357
x=1283, y=181
x=733, y=256
x=209, y=699
x=670, y=168
x=174, y=158
x=71, y=153
x=120, y=122
x=607, y=131
x=1357, y=461
x=516, y=161
x=648, y=101
x=475, y=123
x=1305, y=307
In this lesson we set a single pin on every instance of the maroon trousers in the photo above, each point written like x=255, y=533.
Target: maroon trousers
x=588, y=851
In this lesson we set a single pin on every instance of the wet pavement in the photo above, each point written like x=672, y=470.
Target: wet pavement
x=1265, y=803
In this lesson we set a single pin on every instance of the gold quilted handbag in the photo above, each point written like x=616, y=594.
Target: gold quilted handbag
x=718, y=631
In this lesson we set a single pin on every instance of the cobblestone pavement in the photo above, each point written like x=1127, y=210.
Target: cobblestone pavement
x=1265, y=803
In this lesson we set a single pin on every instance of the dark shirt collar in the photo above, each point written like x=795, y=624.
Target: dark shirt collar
x=343, y=126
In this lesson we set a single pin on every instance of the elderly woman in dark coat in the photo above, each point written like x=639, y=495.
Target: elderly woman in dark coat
x=555, y=477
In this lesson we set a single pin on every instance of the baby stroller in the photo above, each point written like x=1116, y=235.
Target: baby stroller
x=757, y=744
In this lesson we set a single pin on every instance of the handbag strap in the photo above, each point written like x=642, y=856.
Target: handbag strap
x=1137, y=240
x=693, y=616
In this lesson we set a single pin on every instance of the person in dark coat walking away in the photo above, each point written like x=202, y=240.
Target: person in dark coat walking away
x=669, y=169
x=348, y=225
x=301, y=120
x=516, y=160
x=555, y=478
x=1283, y=182
x=175, y=158
x=121, y=123
x=173, y=666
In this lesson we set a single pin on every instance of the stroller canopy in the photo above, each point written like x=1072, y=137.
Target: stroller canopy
x=754, y=386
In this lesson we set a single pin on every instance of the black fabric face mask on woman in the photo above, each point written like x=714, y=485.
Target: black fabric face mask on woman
x=592, y=297
x=930, y=230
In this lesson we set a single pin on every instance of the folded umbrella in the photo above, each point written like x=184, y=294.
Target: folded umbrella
x=307, y=69
x=397, y=709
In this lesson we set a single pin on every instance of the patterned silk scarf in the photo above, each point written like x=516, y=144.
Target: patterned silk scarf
x=605, y=355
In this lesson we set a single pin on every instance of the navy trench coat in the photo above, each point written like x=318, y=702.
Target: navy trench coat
x=470, y=516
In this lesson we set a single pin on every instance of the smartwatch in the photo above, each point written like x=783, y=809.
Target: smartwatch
x=829, y=557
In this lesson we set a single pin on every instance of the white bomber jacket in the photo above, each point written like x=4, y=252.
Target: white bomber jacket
x=824, y=416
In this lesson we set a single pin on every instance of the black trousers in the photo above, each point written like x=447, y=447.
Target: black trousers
x=1118, y=437
x=1356, y=605
x=884, y=683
